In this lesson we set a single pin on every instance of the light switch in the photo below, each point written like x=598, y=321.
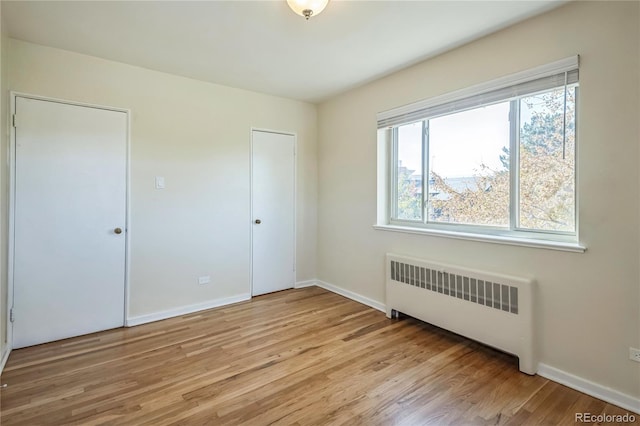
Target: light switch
x=159, y=182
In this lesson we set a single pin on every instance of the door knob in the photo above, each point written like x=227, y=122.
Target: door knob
x=258, y=221
x=118, y=231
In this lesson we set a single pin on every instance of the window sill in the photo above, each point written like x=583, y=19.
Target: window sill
x=496, y=239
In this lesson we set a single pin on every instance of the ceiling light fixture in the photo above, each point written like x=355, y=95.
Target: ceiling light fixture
x=307, y=8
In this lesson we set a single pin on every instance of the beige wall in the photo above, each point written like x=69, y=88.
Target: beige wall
x=196, y=135
x=588, y=310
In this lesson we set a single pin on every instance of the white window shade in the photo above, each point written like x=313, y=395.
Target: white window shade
x=556, y=74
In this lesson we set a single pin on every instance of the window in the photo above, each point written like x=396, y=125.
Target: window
x=496, y=160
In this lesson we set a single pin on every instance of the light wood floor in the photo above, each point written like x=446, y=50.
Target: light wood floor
x=307, y=357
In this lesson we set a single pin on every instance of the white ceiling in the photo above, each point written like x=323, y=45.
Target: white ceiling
x=262, y=45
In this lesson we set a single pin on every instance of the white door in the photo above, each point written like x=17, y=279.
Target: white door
x=70, y=212
x=272, y=188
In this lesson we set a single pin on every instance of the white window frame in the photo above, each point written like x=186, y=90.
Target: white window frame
x=496, y=91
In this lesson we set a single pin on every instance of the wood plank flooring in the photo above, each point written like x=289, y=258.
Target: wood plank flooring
x=297, y=357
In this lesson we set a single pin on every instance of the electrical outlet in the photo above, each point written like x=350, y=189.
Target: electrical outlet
x=634, y=354
x=204, y=280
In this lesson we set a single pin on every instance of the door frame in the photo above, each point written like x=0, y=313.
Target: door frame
x=12, y=193
x=295, y=201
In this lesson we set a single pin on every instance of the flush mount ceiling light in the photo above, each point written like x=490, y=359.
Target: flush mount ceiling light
x=307, y=8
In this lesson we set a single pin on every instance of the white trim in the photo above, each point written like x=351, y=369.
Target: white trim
x=557, y=67
x=277, y=132
x=127, y=224
x=604, y=393
x=13, y=95
x=353, y=296
x=5, y=358
x=342, y=292
x=308, y=283
x=184, y=310
x=251, y=211
x=11, y=233
x=496, y=239
x=11, y=211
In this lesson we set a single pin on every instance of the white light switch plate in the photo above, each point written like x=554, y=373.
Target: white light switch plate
x=159, y=182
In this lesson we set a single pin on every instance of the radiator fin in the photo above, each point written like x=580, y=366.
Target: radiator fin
x=470, y=289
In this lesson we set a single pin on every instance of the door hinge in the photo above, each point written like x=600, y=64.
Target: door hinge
x=14, y=121
x=12, y=317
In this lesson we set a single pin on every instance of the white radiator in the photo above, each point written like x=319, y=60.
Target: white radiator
x=493, y=309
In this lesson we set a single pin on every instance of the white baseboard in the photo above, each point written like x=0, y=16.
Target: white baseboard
x=303, y=284
x=596, y=390
x=184, y=310
x=353, y=296
x=5, y=357
x=604, y=393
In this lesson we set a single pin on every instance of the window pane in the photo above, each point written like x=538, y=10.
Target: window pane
x=547, y=161
x=469, y=167
x=409, y=172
